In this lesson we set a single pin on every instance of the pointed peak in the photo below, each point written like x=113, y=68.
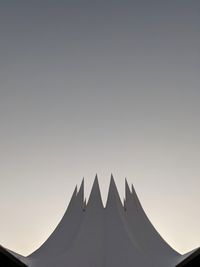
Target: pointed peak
x=133, y=190
x=128, y=195
x=95, y=195
x=96, y=182
x=127, y=189
x=134, y=195
x=73, y=196
x=113, y=195
x=112, y=183
x=96, y=179
x=75, y=191
x=80, y=194
x=82, y=182
x=81, y=189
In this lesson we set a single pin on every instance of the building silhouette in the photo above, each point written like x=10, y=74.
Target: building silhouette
x=91, y=235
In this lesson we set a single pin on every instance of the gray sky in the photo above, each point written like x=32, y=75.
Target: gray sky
x=92, y=87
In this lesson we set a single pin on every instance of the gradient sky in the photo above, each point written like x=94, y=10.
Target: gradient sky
x=92, y=87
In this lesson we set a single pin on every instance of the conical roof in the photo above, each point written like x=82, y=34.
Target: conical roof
x=116, y=235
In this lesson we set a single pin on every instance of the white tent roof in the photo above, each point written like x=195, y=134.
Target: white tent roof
x=115, y=236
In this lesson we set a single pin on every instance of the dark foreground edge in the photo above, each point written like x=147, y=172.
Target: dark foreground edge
x=193, y=260
x=8, y=260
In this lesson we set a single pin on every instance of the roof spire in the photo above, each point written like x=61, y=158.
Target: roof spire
x=127, y=195
x=127, y=190
x=134, y=194
x=80, y=194
x=113, y=195
x=95, y=195
x=73, y=198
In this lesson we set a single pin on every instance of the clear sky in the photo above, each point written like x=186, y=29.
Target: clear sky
x=92, y=87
